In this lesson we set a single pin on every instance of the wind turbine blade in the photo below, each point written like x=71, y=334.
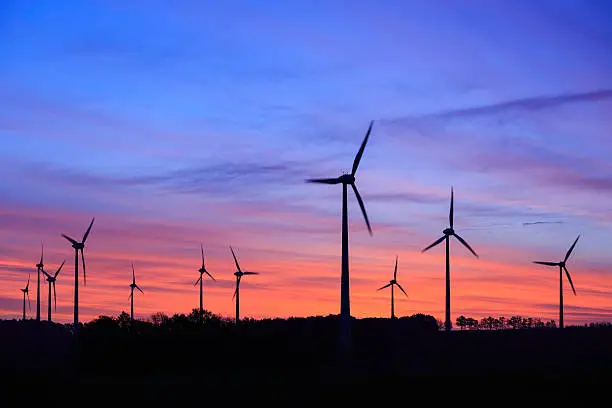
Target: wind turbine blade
x=235, y=260
x=434, y=244
x=131, y=294
x=465, y=244
x=324, y=181
x=547, y=263
x=29, y=304
x=363, y=210
x=133, y=274
x=451, y=212
x=84, y=274
x=198, y=281
x=386, y=286
x=45, y=273
x=42, y=250
x=569, y=278
x=395, y=271
x=69, y=239
x=138, y=287
x=251, y=273
x=571, y=249
x=402, y=289
x=361, y=149
x=211, y=277
x=88, y=230
x=54, y=296
x=236, y=291
x=59, y=269
x=202, y=248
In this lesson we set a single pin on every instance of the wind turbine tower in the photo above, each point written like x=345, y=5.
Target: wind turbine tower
x=347, y=180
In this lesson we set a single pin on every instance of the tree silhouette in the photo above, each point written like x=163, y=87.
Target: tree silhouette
x=471, y=323
x=488, y=323
x=461, y=322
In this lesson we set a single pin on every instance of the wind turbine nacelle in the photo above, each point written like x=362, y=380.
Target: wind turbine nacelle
x=238, y=274
x=78, y=245
x=448, y=231
x=347, y=179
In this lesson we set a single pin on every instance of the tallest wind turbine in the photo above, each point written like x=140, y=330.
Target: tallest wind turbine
x=346, y=180
x=449, y=232
x=78, y=246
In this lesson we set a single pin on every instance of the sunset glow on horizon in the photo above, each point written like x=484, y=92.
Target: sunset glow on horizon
x=187, y=124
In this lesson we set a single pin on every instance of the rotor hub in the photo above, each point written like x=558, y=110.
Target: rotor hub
x=78, y=245
x=448, y=231
x=347, y=179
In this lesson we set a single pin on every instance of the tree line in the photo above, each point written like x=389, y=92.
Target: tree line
x=513, y=323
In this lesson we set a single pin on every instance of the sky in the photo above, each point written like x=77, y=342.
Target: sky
x=180, y=124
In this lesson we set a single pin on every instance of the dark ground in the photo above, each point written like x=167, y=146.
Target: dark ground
x=294, y=361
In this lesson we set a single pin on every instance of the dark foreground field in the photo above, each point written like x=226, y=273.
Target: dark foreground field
x=297, y=360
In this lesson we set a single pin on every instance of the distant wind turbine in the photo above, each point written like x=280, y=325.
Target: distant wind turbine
x=133, y=286
x=449, y=232
x=26, y=291
x=78, y=246
x=202, y=271
x=239, y=274
x=39, y=269
x=51, y=281
x=562, y=268
x=393, y=283
x=346, y=180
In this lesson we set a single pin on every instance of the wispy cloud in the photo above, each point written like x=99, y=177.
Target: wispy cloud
x=223, y=174
x=526, y=224
x=526, y=105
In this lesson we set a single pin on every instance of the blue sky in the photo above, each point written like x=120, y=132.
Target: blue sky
x=188, y=122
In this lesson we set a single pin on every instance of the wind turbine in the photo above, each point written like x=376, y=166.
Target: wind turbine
x=393, y=283
x=133, y=286
x=239, y=274
x=449, y=232
x=26, y=291
x=202, y=271
x=562, y=268
x=78, y=246
x=346, y=180
x=51, y=280
x=39, y=269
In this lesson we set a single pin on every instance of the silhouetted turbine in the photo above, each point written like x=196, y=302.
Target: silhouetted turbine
x=78, y=246
x=202, y=271
x=39, y=268
x=449, y=232
x=393, y=283
x=133, y=286
x=562, y=268
x=51, y=281
x=239, y=274
x=346, y=180
x=26, y=291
